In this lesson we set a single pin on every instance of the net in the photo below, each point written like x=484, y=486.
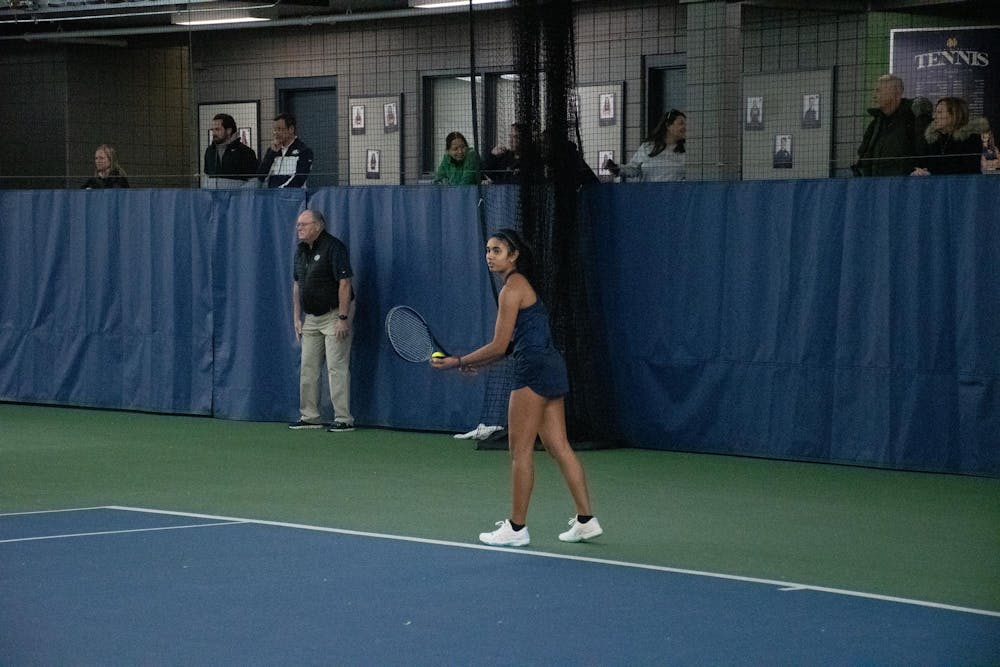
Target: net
x=551, y=171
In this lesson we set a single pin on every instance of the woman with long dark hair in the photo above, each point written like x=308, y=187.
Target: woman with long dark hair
x=537, y=401
x=661, y=157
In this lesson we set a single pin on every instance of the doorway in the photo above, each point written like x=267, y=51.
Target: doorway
x=666, y=87
x=313, y=102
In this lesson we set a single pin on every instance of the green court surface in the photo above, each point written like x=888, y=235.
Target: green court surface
x=920, y=536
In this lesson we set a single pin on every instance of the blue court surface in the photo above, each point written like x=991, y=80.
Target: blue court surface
x=124, y=586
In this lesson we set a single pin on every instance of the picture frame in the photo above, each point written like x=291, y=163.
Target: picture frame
x=602, y=159
x=811, y=118
x=375, y=153
x=246, y=136
x=607, y=114
x=373, y=164
x=754, y=116
x=358, y=119
x=390, y=118
x=782, y=158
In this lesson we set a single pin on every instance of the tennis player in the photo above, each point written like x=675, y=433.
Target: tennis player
x=537, y=406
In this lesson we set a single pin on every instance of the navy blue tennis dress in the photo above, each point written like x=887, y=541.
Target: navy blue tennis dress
x=537, y=363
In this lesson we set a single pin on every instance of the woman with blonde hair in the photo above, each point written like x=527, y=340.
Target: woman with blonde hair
x=952, y=143
x=107, y=172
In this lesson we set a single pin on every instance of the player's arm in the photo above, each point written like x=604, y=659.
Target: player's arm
x=511, y=297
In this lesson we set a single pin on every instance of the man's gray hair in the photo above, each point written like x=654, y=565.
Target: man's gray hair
x=896, y=82
x=317, y=216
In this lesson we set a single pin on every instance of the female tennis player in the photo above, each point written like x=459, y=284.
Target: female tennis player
x=536, y=407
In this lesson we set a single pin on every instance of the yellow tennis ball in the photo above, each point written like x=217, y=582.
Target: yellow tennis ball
x=438, y=355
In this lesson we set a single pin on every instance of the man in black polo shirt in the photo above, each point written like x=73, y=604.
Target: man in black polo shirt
x=322, y=289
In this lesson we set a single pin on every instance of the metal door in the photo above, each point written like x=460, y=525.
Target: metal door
x=313, y=102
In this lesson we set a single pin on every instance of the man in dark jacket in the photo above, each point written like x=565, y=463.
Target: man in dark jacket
x=503, y=164
x=890, y=142
x=228, y=161
x=288, y=161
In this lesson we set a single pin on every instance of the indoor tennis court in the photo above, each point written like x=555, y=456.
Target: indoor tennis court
x=125, y=538
x=782, y=352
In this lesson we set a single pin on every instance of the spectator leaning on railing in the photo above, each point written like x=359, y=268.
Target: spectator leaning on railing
x=952, y=143
x=890, y=141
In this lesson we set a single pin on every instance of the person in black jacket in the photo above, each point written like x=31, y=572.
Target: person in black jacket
x=952, y=143
x=891, y=139
x=503, y=164
x=107, y=172
x=322, y=289
x=227, y=158
x=288, y=160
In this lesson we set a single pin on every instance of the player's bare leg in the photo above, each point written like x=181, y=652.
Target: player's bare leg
x=524, y=417
x=556, y=442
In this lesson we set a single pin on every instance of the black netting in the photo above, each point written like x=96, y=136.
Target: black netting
x=551, y=175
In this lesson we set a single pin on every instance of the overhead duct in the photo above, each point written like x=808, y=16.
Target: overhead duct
x=326, y=19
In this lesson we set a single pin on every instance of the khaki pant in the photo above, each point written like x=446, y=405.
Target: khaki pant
x=318, y=344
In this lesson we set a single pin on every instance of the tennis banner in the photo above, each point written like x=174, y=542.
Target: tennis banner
x=957, y=62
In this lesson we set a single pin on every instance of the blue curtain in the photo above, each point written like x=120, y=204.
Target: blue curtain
x=418, y=246
x=256, y=353
x=851, y=321
x=107, y=299
x=838, y=320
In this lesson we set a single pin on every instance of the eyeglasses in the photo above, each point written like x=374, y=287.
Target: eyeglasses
x=300, y=225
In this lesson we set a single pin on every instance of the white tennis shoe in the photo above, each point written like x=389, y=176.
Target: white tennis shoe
x=579, y=532
x=505, y=536
x=481, y=432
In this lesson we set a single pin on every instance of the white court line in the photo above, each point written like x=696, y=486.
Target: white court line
x=783, y=585
x=119, y=532
x=72, y=509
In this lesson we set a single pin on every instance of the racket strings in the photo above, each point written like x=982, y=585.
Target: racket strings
x=409, y=335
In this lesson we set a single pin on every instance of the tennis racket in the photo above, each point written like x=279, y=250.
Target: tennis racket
x=410, y=336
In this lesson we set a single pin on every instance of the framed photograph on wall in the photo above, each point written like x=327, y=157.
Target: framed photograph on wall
x=373, y=164
x=606, y=111
x=390, y=118
x=602, y=159
x=358, y=119
x=810, y=111
x=755, y=114
x=782, y=151
x=246, y=136
x=376, y=155
x=795, y=99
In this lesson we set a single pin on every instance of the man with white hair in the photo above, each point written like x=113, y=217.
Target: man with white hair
x=890, y=142
x=322, y=291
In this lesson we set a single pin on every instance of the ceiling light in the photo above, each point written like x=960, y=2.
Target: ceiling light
x=188, y=19
x=437, y=4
